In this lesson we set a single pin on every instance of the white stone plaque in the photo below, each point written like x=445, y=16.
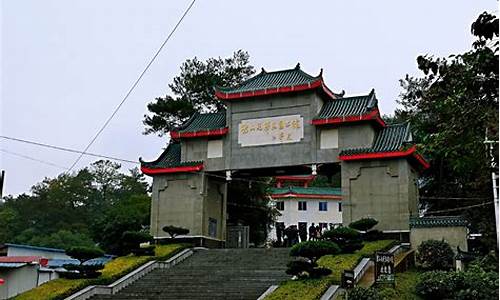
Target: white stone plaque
x=268, y=131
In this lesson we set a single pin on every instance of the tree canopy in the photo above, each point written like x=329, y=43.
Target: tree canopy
x=92, y=206
x=451, y=107
x=193, y=90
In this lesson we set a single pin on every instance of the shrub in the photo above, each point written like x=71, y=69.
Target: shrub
x=359, y=293
x=478, y=284
x=473, y=284
x=174, y=231
x=83, y=254
x=348, y=239
x=319, y=272
x=132, y=240
x=435, y=255
x=437, y=285
x=373, y=235
x=363, y=224
x=314, y=249
x=299, y=266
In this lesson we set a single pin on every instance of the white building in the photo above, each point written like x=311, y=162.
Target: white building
x=302, y=205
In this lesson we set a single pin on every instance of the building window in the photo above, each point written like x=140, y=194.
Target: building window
x=212, y=227
x=329, y=139
x=323, y=206
x=280, y=205
x=302, y=205
x=340, y=206
x=214, y=148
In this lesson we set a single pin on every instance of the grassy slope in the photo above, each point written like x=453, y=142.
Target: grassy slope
x=405, y=287
x=61, y=288
x=309, y=289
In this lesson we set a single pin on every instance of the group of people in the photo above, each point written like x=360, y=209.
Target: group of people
x=290, y=235
x=315, y=232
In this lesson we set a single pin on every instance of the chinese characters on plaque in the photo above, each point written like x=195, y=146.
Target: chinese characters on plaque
x=384, y=267
x=268, y=131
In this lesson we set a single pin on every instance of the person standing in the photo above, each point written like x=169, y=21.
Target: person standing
x=312, y=232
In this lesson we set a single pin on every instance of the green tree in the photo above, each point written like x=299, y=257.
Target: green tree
x=193, y=90
x=68, y=210
x=248, y=204
x=451, y=107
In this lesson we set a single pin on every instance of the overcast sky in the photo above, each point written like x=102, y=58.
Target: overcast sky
x=65, y=65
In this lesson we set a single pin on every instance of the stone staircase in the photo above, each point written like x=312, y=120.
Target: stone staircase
x=212, y=274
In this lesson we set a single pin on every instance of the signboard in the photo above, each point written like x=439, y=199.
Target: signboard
x=348, y=279
x=384, y=267
x=269, y=131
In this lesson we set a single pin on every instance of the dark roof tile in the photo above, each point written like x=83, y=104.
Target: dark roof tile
x=277, y=79
x=391, y=138
x=348, y=106
x=170, y=158
x=206, y=121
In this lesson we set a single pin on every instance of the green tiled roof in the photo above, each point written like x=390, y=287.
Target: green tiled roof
x=207, y=121
x=391, y=138
x=348, y=106
x=266, y=80
x=308, y=190
x=442, y=221
x=170, y=158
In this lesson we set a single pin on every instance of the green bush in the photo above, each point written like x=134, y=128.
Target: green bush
x=299, y=266
x=359, y=293
x=477, y=284
x=174, y=231
x=363, y=224
x=437, y=285
x=82, y=271
x=84, y=253
x=435, y=255
x=373, y=235
x=313, y=250
x=131, y=241
x=348, y=239
x=319, y=272
x=473, y=284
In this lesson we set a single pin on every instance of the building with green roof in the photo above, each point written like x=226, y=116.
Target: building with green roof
x=285, y=122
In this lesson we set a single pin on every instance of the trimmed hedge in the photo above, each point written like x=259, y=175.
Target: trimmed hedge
x=314, y=249
x=174, y=231
x=348, y=239
x=364, y=224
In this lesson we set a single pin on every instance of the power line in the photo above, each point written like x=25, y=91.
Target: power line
x=33, y=159
x=132, y=87
x=67, y=150
x=459, y=208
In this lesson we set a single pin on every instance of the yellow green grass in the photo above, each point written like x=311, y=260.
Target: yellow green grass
x=310, y=289
x=118, y=267
x=405, y=287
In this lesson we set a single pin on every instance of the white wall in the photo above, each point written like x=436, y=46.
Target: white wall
x=291, y=215
x=15, y=251
x=18, y=280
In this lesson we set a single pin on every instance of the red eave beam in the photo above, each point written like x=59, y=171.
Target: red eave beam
x=272, y=91
x=391, y=154
x=381, y=155
x=307, y=196
x=155, y=171
x=201, y=133
x=421, y=160
x=373, y=115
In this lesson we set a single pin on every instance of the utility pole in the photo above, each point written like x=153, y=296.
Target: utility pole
x=2, y=176
x=494, y=175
